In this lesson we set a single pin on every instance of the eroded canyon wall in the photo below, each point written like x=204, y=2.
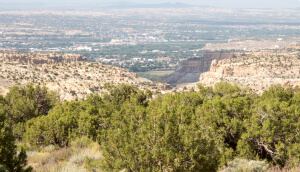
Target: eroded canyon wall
x=258, y=70
x=192, y=68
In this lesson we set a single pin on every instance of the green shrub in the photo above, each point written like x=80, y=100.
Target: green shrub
x=165, y=136
x=63, y=123
x=25, y=103
x=2, y=169
x=190, y=131
x=10, y=160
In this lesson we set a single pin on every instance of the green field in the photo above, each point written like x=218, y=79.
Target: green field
x=154, y=75
x=159, y=73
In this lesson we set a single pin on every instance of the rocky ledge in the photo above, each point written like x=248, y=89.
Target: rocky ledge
x=258, y=69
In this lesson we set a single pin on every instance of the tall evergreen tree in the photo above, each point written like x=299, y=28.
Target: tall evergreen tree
x=10, y=160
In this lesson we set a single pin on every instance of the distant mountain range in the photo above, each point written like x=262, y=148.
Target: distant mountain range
x=59, y=6
x=113, y=4
x=138, y=5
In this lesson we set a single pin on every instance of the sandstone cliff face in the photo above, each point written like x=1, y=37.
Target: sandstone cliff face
x=192, y=68
x=71, y=76
x=258, y=69
x=41, y=58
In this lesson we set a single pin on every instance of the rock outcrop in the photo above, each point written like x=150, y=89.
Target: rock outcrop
x=258, y=69
x=42, y=58
x=70, y=75
x=191, y=69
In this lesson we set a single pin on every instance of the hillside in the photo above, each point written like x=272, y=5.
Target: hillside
x=71, y=75
x=258, y=69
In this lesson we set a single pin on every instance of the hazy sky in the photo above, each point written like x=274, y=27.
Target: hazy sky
x=214, y=3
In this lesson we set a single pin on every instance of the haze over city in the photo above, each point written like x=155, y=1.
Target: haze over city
x=273, y=4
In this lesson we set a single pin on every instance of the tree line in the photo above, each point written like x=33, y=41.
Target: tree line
x=199, y=130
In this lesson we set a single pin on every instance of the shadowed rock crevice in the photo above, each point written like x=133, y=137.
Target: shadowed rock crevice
x=192, y=68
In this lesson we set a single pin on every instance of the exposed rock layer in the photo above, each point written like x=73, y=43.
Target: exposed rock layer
x=42, y=58
x=258, y=69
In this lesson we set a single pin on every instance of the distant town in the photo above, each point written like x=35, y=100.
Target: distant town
x=142, y=40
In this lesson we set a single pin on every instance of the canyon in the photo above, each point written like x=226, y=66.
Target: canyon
x=192, y=68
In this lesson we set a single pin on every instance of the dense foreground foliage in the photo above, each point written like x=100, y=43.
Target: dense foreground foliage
x=200, y=130
x=10, y=160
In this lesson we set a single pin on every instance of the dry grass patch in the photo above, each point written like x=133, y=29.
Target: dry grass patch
x=82, y=155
